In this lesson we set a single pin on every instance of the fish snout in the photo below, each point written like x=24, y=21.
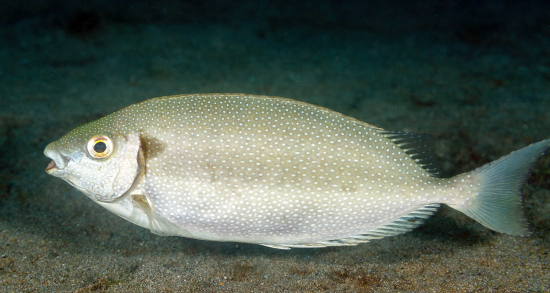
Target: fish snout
x=58, y=160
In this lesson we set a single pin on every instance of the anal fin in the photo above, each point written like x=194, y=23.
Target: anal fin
x=399, y=226
x=402, y=225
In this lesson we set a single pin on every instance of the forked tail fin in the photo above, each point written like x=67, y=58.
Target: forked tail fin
x=499, y=205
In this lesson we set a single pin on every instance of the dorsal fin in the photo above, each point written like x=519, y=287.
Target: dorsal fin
x=420, y=147
x=399, y=226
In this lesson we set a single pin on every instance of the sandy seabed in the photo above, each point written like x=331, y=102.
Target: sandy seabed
x=479, y=100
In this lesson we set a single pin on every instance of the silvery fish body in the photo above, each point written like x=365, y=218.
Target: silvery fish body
x=274, y=171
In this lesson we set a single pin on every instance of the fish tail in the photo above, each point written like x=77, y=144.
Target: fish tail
x=498, y=203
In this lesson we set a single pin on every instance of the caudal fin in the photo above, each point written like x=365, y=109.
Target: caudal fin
x=499, y=205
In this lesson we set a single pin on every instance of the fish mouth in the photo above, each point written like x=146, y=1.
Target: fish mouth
x=58, y=162
x=51, y=168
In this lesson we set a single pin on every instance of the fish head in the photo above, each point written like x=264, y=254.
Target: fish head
x=100, y=163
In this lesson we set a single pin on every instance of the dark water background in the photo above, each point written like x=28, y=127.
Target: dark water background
x=474, y=74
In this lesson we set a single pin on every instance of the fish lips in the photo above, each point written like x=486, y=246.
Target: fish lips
x=59, y=161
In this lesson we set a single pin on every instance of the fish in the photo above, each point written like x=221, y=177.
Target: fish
x=276, y=172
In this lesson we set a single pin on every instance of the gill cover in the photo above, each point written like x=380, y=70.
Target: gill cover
x=106, y=179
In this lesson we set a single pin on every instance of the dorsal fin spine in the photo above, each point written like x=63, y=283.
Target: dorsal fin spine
x=419, y=147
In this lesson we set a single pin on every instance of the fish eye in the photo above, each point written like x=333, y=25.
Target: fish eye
x=100, y=146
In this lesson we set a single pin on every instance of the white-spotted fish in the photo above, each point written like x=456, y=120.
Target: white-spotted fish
x=277, y=172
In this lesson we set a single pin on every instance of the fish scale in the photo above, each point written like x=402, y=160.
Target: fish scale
x=312, y=182
x=277, y=172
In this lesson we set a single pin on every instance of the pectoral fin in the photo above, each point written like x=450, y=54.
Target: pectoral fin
x=157, y=224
